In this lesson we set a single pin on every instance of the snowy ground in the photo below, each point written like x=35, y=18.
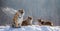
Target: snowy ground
x=30, y=28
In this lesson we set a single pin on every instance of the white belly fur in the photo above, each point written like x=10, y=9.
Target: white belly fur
x=20, y=20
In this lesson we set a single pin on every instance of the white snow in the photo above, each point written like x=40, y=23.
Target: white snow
x=30, y=28
x=9, y=11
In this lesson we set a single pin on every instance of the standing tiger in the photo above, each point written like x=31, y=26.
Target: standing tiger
x=18, y=18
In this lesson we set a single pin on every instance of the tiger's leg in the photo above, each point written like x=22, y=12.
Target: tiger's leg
x=16, y=24
x=19, y=24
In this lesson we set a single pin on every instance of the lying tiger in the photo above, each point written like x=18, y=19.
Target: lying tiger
x=42, y=22
x=27, y=21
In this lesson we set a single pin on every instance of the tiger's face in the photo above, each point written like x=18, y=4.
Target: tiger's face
x=21, y=13
x=29, y=18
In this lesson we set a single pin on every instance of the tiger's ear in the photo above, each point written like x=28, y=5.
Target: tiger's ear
x=29, y=17
x=21, y=11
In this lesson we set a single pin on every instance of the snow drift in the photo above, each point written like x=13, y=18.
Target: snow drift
x=9, y=11
x=30, y=28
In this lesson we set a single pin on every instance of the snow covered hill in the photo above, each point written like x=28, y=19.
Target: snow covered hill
x=30, y=28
